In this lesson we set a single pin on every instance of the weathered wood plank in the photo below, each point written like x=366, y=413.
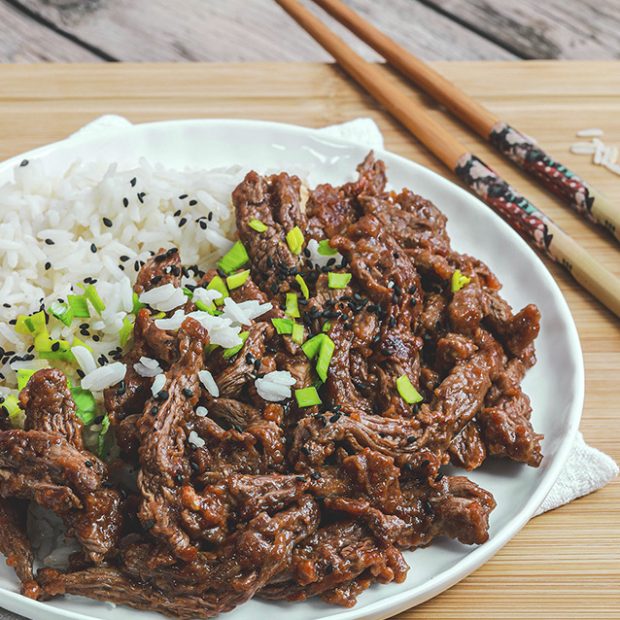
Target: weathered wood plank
x=23, y=40
x=550, y=29
x=242, y=30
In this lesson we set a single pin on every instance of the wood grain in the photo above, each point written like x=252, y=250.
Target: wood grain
x=241, y=30
x=533, y=29
x=564, y=564
x=23, y=40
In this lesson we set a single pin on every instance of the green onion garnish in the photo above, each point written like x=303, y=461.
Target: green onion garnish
x=295, y=240
x=234, y=259
x=62, y=312
x=458, y=281
x=210, y=348
x=311, y=347
x=137, y=304
x=307, y=397
x=326, y=327
x=53, y=349
x=325, y=357
x=16, y=415
x=298, y=333
x=78, y=306
x=90, y=292
x=408, y=393
x=101, y=439
x=338, y=280
x=124, y=333
x=292, y=307
x=325, y=249
x=31, y=325
x=219, y=285
x=228, y=353
x=237, y=279
x=257, y=225
x=283, y=326
x=187, y=292
x=23, y=376
x=303, y=286
x=86, y=407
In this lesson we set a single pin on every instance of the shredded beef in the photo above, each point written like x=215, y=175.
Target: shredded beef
x=237, y=496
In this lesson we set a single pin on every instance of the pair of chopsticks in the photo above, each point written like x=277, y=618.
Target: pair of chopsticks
x=520, y=213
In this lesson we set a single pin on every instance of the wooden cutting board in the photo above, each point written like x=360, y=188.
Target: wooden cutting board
x=564, y=564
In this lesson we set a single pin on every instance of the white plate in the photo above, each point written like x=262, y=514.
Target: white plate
x=555, y=384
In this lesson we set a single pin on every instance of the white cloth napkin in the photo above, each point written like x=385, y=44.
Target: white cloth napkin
x=587, y=468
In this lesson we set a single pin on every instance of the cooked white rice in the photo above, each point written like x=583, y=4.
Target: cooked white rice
x=97, y=221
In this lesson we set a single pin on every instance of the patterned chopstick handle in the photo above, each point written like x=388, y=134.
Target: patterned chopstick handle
x=524, y=151
x=518, y=211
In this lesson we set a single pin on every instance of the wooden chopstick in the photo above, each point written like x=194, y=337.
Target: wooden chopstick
x=518, y=147
x=521, y=214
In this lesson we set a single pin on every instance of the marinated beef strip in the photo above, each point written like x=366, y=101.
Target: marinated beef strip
x=331, y=209
x=163, y=435
x=15, y=545
x=162, y=268
x=274, y=201
x=389, y=279
x=49, y=406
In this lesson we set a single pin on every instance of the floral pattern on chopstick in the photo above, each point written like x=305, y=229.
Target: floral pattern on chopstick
x=518, y=211
x=524, y=151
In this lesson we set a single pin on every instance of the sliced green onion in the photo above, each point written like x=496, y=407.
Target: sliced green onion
x=307, y=397
x=16, y=415
x=187, y=292
x=20, y=325
x=53, y=349
x=295, y=240
x=210, y=308
x=234, y=259
x=298, y=333
x=283, y=326
x=458, y=281
x=33, y=324
x=303, y=286
x=237, y=279
x=101, y=439
x=228, y=353
x=86, y=406
x=326, y=327
x=23, y=376
x=90, y=292
x=137, y=304
x=257, y=225
x=124, y=333
x=325, y=357
x=210, y=348
x=62, y=312
x=217, y=284
x=325, y=249
x=406, y=390
x=338, y=280
x=78, y=306
x=292, y=306
x=311, y=347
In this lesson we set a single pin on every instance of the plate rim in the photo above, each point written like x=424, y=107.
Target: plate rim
x=398, y=601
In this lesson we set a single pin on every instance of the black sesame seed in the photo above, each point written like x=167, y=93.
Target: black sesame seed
x=410, y=439
x=210, y=216
x=154, y=410
x=107, y=222
x=96, y=338
x=81, y=374
x=124, y=258
x=49, y=242
x=55, y=346
x=88, y=463
x=179, y=478
x=315, y=475
x=193, y=203
x=48, y=266
x=93, y=248
x=141, y=196
x=133, y=182
x=182, y=196
x=162, y=395
x=148, y=524
x=176, y=213
x=203, y=225
x=125, y=202
x=23, y=163
x=187, y=392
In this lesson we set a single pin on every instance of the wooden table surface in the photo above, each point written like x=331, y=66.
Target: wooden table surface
x=564, y=564
x=253, y=30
